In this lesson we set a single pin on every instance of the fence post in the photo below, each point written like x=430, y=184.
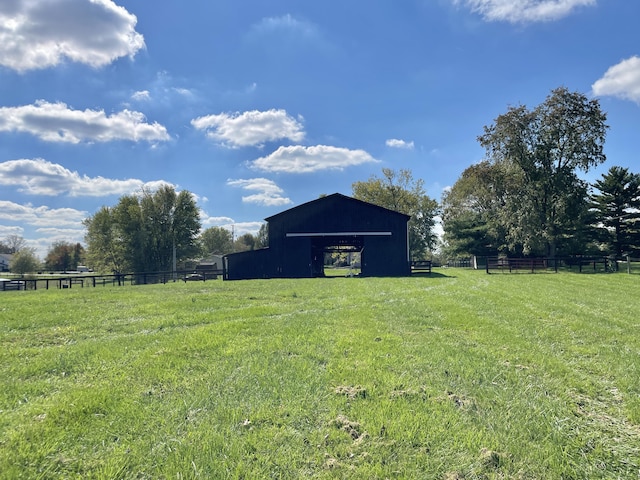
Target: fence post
x=628, y=265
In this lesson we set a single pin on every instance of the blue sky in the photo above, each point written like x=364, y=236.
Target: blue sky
x=257, y=106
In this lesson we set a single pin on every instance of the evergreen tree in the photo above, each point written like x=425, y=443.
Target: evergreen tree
x=617, y=211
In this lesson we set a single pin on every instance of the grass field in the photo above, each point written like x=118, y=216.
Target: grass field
x=457, y=375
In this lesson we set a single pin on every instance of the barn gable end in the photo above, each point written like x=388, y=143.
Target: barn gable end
x=299, y=236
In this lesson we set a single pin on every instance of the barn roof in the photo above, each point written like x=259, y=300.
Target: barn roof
x=334, y=200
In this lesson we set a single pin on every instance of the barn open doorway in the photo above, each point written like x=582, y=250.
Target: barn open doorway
x=324, y=247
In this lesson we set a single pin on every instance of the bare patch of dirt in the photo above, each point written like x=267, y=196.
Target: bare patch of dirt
x=453, y=476
x=460, y=401
x=352, y=392
x=490, y=458
x=352, y=428
x=408, y=393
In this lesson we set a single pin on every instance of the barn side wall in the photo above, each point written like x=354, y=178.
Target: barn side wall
x=248, y=265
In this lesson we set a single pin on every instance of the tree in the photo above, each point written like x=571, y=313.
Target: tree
x=398, y=191
x=216, y=241
x=617, y=211
x=24, y=261
x=244, y=243
x=145, y=233
x=106, y=248
x=262, y=237
x=64, y=256
x=548, y=145
x=12, y=244
x=474, y=210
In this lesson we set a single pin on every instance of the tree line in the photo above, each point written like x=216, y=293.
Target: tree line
x=525, y=198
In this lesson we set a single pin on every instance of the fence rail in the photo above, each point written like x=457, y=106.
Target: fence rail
x=582, y=264
x=68, y=281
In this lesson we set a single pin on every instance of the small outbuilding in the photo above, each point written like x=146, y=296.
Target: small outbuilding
x=299, y=238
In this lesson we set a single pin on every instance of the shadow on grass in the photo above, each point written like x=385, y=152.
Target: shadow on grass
x=434, y=275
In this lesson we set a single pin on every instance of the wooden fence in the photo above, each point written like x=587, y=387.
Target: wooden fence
x=578, y=263
x=68, y=281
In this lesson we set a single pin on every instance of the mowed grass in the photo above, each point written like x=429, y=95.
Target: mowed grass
x=457, y=375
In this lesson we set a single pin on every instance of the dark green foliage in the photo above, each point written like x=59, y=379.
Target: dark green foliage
x=532, y=199
x=141, y=233
x=617, y=211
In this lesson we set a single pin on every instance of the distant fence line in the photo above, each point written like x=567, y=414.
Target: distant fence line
x=581, y=263
x=67, y=281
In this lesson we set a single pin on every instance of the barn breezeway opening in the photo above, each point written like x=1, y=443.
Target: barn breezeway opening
x=324, y=250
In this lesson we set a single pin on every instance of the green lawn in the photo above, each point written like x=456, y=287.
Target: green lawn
x=457, y=375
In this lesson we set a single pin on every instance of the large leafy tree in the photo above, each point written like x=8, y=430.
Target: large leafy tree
x=64, y=256
x=216, y=241
x=106, y=250
x=143, y=233
x=400, y=192
x=24, y=261
x=617, y=211
x=474, y=210
x=548, y=145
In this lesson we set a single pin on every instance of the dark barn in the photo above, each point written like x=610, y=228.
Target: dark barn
x=299, y=238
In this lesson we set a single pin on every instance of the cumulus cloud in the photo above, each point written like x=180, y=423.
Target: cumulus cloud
x=36, y=34
x=40, y=177
x=621, y=80
x=41, y=216
x=56, y=122
x=299, y=159
x=250, y=128
x=268, y=193
x=208, y=221
x=396, y=143
x=524, y=11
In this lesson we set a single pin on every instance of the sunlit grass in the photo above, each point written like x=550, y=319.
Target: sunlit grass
x=454, y=375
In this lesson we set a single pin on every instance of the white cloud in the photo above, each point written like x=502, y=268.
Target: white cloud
x=621, y=80
x=524, y=11
x=268, y=193
x=208, y=221
x=40, y=177
x=56, y=122
x=42, y=216
x=286, y=23
x=299, y=159
x=238, y=228
x=6, y=230
x=250, y=128
x=396, y=143
x=241, y=228
x=36, y=34
x=141, y=96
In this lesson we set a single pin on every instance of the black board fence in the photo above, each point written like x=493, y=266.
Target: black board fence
x=68, y=281
x=577, y=263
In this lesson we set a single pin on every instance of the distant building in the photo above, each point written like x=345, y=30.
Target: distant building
x=210, y=266
x=299, y=238
x=5, y=260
